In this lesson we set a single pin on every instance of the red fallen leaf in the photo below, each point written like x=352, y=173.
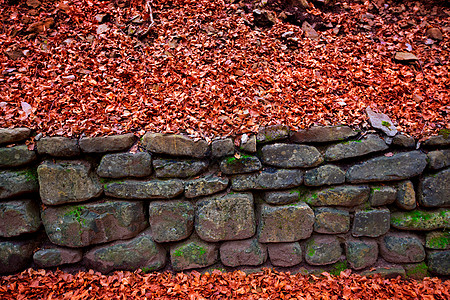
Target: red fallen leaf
x=389, y=154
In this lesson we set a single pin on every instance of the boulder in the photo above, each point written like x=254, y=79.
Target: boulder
x=437, y=140
x=380, y=120
x=120, y=165
x=285, y=254
x=402, y=248
x=16, y=156
x=439, y=262
x=322, y=250
x=19, y=217
x=16, y=255
x=361, y=253
x=438, y=159
x=243, y=164
x=222, y=147
x=372, y=143
x=58, y=146
x=382, y=195
x=178, y=168
x=150, y=189
x=102, y=144
x=16, y=183
x=174, y=144
x=421, y=220
x=291, y=156
x=344, y=195
x=204, y=186
x=406, y=196
x=331, y=221
x=268, y=179
x=13, y=135
x=323, y=134
x=193, y=253
x=371, y=223
x=434, y=190
x=272, y=133
x=243, y=253
x=248, y=143
x=439, y=240
x=56, y=256
x=403, y=141
x=324, y=175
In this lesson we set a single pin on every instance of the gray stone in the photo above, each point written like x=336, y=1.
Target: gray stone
x=243, y=253
x=421, y=220
x=248, y=143
x=174, y=144
x=309, y=31
x=171, y=220
x=181, y=168
x=381, y=121
x=13, y=135
x=222, y=147
x=281, y=197
x=58, y=146
x=402, y=248
x=372, y=143
x=243, y=164
x=93, y=223
x=125, y=165
x=268, y=179
x=439, y=240
x=361, y=253
x=330, y=220
x=225, y=217
x=15, y=255
x=193, y=253
x=434, y=190
x=205, y=186
x=371, y=223
x=140, y=252
x=19, y=217
x=323, y=134
x=403, y=141
x=437, y=140
x=150, y=189
x=102, y=144
x=16, y=156
x=397, y=167
x=16, y=183
x=322, y=250
x=439, y=262
x=69, y=181
x=439, y=159
x=382, y=195
x=288, y=223
x=291, y=156
x=386, y=272
x=285, y=254
x=406, y=196
x=56, y=256
x=272, y=133
x=324, y=175
x=345, y=195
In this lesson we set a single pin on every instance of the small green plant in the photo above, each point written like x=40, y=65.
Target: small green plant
x=386, y=124
x=146, y=270
x=76, y=214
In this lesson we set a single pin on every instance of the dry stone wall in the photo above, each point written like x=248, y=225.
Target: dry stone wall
x=322, y=199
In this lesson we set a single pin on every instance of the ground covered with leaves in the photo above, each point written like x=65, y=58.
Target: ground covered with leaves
x=268, y=284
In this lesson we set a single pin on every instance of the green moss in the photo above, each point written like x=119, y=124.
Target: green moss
x=76, y=214
x=386, y=124
x=29, y=174
x=419, y=270
x=445, y=133
x=146, y=270
x=191, y=250
x=338, y=267
x=311, y=249
x=439, y=242
x=242, y=158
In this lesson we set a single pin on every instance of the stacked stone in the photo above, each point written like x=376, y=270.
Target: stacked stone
x=321, y=198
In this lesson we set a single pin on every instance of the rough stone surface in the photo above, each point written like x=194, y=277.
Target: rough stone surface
x=16, y=183
x=120, y=165
x=15, y=255
x=69, y=181
x=193, y=253
x=272, y=133
x=19, y=217
x=150, y=189
x=439, y=159
x=439, y=240
x=93, y=223
x=322, y=250
x=205, y=186
x=225, y=217
x=386, y=272
x=435, y=33
x=285, y=254
x=181, y=168
x=16, y=156
x=402, y=248
x=248, y=143
x=330, y=220
x=403, y=141
x=361, y=253
x=103, y=144
x=371, y=223
x=345, y=195
x=439, y=262
x=324, y=175
x=268, y=179
x=281, y=197
x=397, y=167
x=372, y=143
x=171, y=220
x=288, y=223
x=58, y=146
x=243, y=164
x=56, y=256
x=324, y=134
x=380, y=120
x=243, y=253
x=291, y=156
x=434, y=190
x=140, y=252
x=421, y=220
x=417, y=271
x=12, y=135
x=222, y=147
x=382, y=195
x=437, y=140
x=174, y=144
x=406, y=196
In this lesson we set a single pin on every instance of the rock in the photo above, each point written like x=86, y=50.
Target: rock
x=272, y=133
x=402, y=248
x=439, y=140
x=434, y=33
x=324, y=175
x=344, y=195
x=67, y=181
x=270, y=179
x=33, y=3
x=140, y=252
x=406, y=196
x=56, y=256
x=205, y=186
x=291, y=156
x=361, y=253
x=193, y=253
x=380, y=120
x=225, y=217
x=322, y=250
x=382, y=195
x=438, y=159
x=372, y=143
x=331, y=221
x=285, y=254
x=439, y=240
x=243, y=253
x=405, y=57
x=281, y=197
x=243, y=164
x=439, y=262
x=434, y=190
x=323, y=134
x=13, y=135
x=309, y=31
x=120, y=165
x=19, y=217
x=16, y=183
x=174, y=144
x=181, y=168
x=14, y=53
x=58, y=146
x=386, y=272
x=113, y=143
x=288, y=223
x=15, y=255
x=223, y=147
x=417, y=271
x=263, y=18
x=397, y=167
x=102, y=29
x=94, y=222
x=248, y=143
x=421, y=220
x=371, y=223
x=171, y=220
x=150, y=189
x=16, y=156
x=403, y=141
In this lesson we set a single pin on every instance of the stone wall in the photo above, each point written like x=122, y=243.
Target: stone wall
x=326, y=198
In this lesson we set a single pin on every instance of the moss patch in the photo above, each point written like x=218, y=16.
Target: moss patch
x=386, y=124
x=338, y=267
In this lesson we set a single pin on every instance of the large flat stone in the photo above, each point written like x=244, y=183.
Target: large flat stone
x=179, y=168
x=345, y=195
x=193, y=253
x=285, y=254
x=120, y=165
x=12, y=135
x=243, y=253
x=205, y=186
x=267, y=179
x=402, y=248
x=104, y=144
x=16, y=156
x=322, y=250
x=291, y=156
x=439, y=159
x=16, y=183
x=323, y=134
x=421, y=220
x=439, y=262
x=372, y=143
x=324, y=175
x=371, y=223
x=434, y=190
x=56, y=256
x=272, y=133
x=331, y=220
x=150, y=189
x=174, y=144
x=243, y=164
x=437, y=140
x=380, y=120
x=58, y=146
x=16, y=255
x=19, y=217
x=361, y=253
x=382, y=195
